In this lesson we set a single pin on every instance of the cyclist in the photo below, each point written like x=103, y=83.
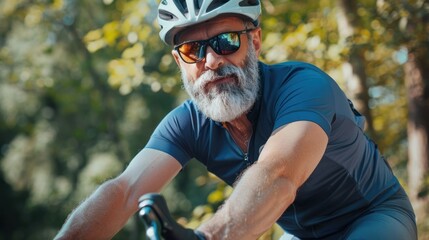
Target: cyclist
x=285, y=136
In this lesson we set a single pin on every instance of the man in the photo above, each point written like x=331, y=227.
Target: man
x=284, y=135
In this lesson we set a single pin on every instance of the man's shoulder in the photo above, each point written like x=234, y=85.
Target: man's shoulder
x=187, y=105
x=282, y=66
x=187, y=113
x=292, y=72
x=184, y=110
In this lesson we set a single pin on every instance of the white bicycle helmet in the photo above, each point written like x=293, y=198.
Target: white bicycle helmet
x=174, y=15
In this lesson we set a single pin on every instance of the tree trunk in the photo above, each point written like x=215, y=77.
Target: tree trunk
x=417, y=83
x=354, y=66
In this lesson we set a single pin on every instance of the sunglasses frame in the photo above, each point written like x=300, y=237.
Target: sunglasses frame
x=207, y=42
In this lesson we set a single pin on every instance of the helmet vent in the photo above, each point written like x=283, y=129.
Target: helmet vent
x=215, y=4
x=164, y=15
x=181, y=5
x=197, y=4
x=245, y=3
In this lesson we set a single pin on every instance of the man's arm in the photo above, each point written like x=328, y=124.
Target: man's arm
x=269, y=186
x=106, y=211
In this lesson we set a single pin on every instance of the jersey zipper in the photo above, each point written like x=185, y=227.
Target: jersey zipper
x=246, y=157
x=245, y=153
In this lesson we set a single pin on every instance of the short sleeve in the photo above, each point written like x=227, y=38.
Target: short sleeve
x=306, y=95
x=174, y=135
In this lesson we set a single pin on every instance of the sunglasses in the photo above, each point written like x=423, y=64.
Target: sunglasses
x=222, y=44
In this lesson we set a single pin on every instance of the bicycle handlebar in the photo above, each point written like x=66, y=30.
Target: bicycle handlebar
x=159, y=223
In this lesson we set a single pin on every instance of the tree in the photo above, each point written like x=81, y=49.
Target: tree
x=354, y=67
x=409, y=22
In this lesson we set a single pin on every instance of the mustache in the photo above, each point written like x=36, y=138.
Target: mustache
x=213, y=75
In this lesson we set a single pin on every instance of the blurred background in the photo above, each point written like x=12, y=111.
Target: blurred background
x=84, y=83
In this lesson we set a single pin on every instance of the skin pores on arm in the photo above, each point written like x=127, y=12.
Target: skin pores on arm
x=86, y=221
x=106, y=211
x=269, y=186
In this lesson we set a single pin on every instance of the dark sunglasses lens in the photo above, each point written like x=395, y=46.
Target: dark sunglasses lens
x=190, y=52
x=222, y=44
x=227, y=43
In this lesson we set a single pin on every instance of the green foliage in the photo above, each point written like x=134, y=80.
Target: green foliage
x=84, y=83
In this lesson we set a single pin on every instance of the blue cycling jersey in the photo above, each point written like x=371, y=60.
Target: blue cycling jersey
x=351, y=177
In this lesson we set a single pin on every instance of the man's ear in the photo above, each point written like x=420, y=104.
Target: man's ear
x=176, y=57
x=257, y=40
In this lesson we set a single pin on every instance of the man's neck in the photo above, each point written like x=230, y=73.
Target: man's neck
x=240, y=130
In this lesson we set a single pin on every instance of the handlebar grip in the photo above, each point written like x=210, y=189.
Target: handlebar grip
x=151, y=222
x=170, y=229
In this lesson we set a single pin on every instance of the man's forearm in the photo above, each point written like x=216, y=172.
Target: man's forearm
x=269, y=186
x=253, y=207
x=100, y=216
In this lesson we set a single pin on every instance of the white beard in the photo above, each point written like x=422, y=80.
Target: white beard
x=226, y=101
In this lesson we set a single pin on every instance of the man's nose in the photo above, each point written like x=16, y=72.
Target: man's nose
x=213, y=60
